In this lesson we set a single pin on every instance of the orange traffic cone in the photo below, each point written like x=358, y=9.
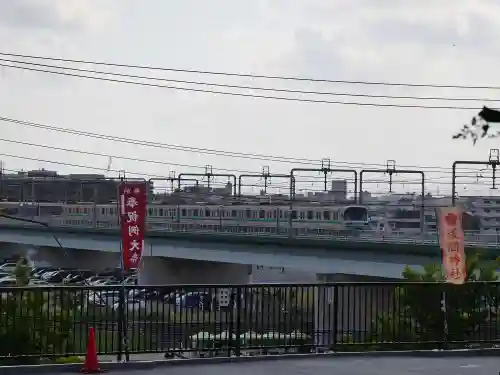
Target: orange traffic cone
x=91, y=365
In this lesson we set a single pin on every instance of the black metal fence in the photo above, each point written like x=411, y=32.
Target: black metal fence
x=198, y=320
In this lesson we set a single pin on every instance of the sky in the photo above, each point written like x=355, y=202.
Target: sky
x=420, y=42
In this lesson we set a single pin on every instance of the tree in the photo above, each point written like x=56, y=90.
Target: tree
x=33, y=321
x=480, y=126
x=419, y=317
x=22, y=272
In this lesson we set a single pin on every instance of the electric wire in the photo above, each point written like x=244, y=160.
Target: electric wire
x=255, y=88
x=317, y=179
x=208, y=151
x=247, y=75
x=240, y=94
x=149, y=161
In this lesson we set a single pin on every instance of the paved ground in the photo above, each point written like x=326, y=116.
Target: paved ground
x=340, y=366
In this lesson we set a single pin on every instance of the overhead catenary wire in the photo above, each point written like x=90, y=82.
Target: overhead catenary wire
x=208, y=151
x=307, y=179
x=248, y=75
x=247, y=95
x=253, y=88
x=150, y=161
x=247, y=185
x=84, y=166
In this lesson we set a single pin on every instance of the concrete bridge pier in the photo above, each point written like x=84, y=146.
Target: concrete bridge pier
x=352, y=307
x=160, y=270
x=69, y=258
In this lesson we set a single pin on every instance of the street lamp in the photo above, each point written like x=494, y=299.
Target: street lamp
x=47, y=226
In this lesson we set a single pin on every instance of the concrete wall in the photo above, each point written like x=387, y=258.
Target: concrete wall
x=355, y=307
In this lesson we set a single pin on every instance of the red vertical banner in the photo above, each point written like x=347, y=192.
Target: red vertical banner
x=451, y=240
x=132, y=205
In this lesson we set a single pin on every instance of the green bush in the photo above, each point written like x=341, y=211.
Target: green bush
x=33, y=322
x=420, y=318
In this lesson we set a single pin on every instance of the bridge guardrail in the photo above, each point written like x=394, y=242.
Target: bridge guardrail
x=486, y=240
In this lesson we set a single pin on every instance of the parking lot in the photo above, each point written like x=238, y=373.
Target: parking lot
x=101, y=292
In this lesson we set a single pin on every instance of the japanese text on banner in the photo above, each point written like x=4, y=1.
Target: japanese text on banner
x=451, y=240
x=133, y=204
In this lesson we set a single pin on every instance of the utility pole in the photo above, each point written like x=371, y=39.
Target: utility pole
x=391, y=170
x=209, y=175
x=325, y=169
x=266, y=175
x=493, y=161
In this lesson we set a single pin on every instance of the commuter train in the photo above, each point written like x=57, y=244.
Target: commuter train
x=234, y=218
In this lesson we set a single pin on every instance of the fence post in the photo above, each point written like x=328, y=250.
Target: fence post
x=239, y=296
x=444, y=309
x=122, y=326
x=335, y=316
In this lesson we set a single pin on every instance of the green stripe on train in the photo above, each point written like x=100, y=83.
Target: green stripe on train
x=257, y=220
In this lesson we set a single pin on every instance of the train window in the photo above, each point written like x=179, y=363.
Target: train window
x=274, y=214
x=294, y=214
x=302, y=215
x=207, y=212
x=310, y=215
x=234, y=213
x=160, y=213
x=103, y=211
x=318, y=215
x=281, y=214
x=195, y=212
x=248, y=213
x=262, y=214
x=326, y=215
x=183, y=212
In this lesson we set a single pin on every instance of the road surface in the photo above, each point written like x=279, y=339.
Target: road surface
x=339, y=366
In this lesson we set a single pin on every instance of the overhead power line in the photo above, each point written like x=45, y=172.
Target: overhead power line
x=240, y=94
x=248, y=75
x=246, y=87
x=207, y=151
x=77, y=151
x=84, y=166
x=150, y=161
x=247, y=184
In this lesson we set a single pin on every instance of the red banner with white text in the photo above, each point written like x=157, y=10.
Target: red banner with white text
x=451, y=240
x=132, y=208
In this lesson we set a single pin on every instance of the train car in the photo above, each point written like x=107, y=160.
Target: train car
x=243, y=218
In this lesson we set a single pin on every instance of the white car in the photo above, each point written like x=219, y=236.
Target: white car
x=8, y=267
x=8, y=280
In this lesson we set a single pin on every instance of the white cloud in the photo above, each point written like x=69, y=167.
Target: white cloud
x=421, y=41
x=53, y=14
